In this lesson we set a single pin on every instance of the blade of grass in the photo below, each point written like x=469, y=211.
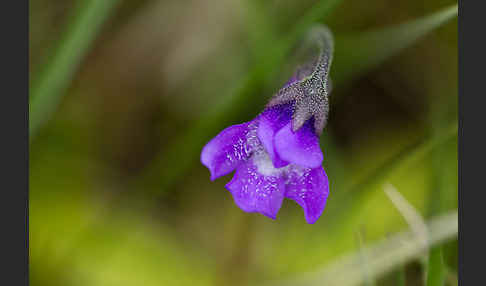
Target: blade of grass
x=385, y=255
x=51, y=84
x=408, y=211
x=435, y=268
x=413, y=218
x=356, y=54
x=364, y=263
x=444, y=176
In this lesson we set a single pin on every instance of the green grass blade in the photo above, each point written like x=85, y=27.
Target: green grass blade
x=443, y=190
x=369, y=279
x=408, y=212
x=47, y=91
x=435, y=269
x=356, y=54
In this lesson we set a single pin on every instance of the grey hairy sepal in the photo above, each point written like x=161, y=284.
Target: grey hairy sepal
x=310, y=91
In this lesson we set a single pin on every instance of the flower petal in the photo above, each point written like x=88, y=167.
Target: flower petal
x=301, y=148
x=271, y=120
x=226, y=151
x=310, y=189
x=255, y=192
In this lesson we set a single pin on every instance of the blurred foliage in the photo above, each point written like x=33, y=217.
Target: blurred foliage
x=132, y=90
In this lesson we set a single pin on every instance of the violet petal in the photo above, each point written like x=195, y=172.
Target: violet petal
x=301, y=148
x=310, y=189
x=226, y=151
x=256, y=192
x=272, y=120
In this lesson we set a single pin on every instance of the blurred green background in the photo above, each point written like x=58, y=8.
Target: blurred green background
x=125, y=93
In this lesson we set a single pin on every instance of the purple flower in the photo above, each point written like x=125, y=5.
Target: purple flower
x=277, y=154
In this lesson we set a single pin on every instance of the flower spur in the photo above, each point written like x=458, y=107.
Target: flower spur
x=277, y=154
